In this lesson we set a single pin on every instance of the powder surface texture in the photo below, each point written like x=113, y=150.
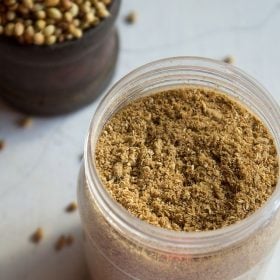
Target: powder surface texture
x=187, y=159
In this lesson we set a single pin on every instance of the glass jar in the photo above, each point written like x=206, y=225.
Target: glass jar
x=121, y=247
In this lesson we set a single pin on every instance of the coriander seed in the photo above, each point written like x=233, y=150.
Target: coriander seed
x=37, y=236
x=229, y=59
x=131, y=18
x=61, y=14
x=2, y=144
x=71, y=207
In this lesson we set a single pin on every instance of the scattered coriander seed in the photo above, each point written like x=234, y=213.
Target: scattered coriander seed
x=71, y=207
x=131, y=17
x=60, y=243
x=2, y=144
x=229, y=59
x=25, y=122
x=69, y=37
x=38, y=235
x=69, y=240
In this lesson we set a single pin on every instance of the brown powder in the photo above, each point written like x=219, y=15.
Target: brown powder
x=189, y=159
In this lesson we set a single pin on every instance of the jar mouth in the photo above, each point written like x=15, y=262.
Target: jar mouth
x=159, y=238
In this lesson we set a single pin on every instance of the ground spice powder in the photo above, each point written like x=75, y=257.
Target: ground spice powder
x=188, y=159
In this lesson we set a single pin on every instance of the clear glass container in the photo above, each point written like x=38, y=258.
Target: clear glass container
x=121, y=247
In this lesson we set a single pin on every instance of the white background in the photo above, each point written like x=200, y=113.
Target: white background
x=39, y=166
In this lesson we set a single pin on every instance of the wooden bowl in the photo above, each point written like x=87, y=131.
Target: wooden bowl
x=58, y=79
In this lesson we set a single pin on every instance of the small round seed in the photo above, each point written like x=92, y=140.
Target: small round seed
x=9, y=29
x=102, y=10
x=131, y=17
x=68, y=17
x=69, y=37
x=66, y=4
x=40, y=14
x=28, y=3
x=50, y=40
x=19, y=29
x=107, y=2
x=229, y=59
x=1, y=29
x=49, y=30
x=52, y=3
x=58, y=32
x=37, y=236
x=76, y=32
x=54, y=13
x=71, y=207
x=38, y=7
x=11, y=16
x=90, y=17
x=49, y=21
x=30, y=31
x=2, y=144
x=41, y=24
x=76, y=22
x=74, y=10
x=39, y=39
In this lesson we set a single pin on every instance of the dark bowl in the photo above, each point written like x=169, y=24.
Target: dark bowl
x=58, y=79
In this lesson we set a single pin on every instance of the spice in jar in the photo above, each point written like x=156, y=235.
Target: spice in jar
x=187, y=159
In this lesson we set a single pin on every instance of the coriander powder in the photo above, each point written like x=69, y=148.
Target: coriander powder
x=187, y=159
x=134, y=229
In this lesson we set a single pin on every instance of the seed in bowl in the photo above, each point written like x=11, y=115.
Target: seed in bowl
x=50, y=21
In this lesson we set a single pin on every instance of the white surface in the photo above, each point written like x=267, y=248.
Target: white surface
x=39, y=167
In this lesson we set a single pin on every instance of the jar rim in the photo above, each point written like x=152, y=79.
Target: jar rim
x=156, y=237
